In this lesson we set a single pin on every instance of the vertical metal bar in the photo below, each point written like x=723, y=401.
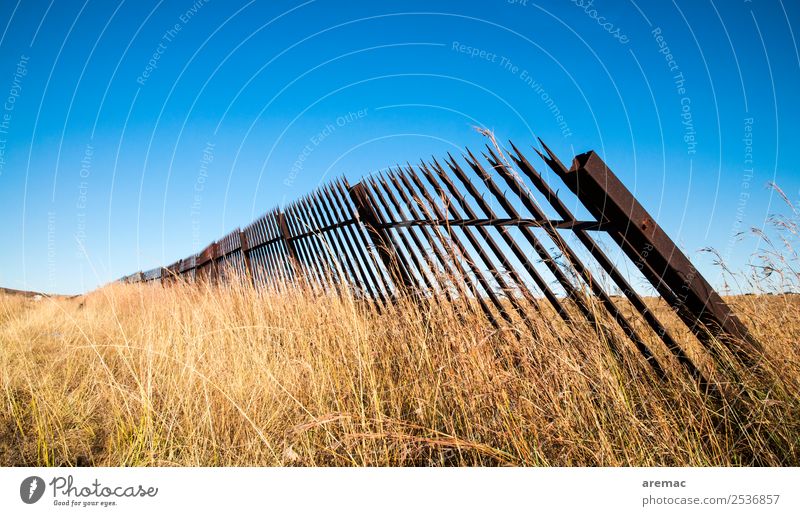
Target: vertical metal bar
x=208, y=267
x=548, y=260
x=380, y=276
x=410, y=259
x=328, y=217
x=245, y=250
x=214, y=271
x=381, y=238
x=454, y=275
x=262, y=268
x=313, y=252
x=217, y=268
x=317, y=251
x=278, y=259
x=572, y=292
x=310, y=277
x=338, y=260
x=255, y=243
x=320, y=248
x=289, y=245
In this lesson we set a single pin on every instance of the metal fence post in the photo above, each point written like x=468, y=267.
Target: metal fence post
x=214, y=272
x=286, y=236
x=245, y=250
x=658, y=257
x=380, y=238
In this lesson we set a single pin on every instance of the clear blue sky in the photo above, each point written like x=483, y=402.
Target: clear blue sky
x=111, y=165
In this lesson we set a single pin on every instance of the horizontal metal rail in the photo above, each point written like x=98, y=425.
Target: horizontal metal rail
x=574, y=225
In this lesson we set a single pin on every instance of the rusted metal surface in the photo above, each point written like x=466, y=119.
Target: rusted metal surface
x=382, y=242
x=245, y=250
x=658, y=257
x=230, y=258
x=453, y=233
x=152, y=275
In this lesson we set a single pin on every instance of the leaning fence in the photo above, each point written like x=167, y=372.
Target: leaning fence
x=500, y=236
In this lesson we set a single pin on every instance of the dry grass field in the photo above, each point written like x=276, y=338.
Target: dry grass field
x=199, y=376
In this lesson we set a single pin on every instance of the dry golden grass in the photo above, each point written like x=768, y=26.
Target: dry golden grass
x=187, y=375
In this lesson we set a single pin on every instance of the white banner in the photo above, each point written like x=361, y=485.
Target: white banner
x=318, y=491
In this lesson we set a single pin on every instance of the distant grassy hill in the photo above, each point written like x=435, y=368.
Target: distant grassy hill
x=31, y=293
x=26, y=293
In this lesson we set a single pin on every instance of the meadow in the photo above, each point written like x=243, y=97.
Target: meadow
x=200, y=375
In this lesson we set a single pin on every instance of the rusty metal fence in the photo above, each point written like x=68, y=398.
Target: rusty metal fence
x=495, y=233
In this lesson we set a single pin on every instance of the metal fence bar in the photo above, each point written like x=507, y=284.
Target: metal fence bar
x=319, y=212
x=422, y=283
x=321, y=250
x=308, y=250
x=281, y=262
x=382, y=241
x=277, y=253
x=306, y=274
x=246, y=257
x=289, y=246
